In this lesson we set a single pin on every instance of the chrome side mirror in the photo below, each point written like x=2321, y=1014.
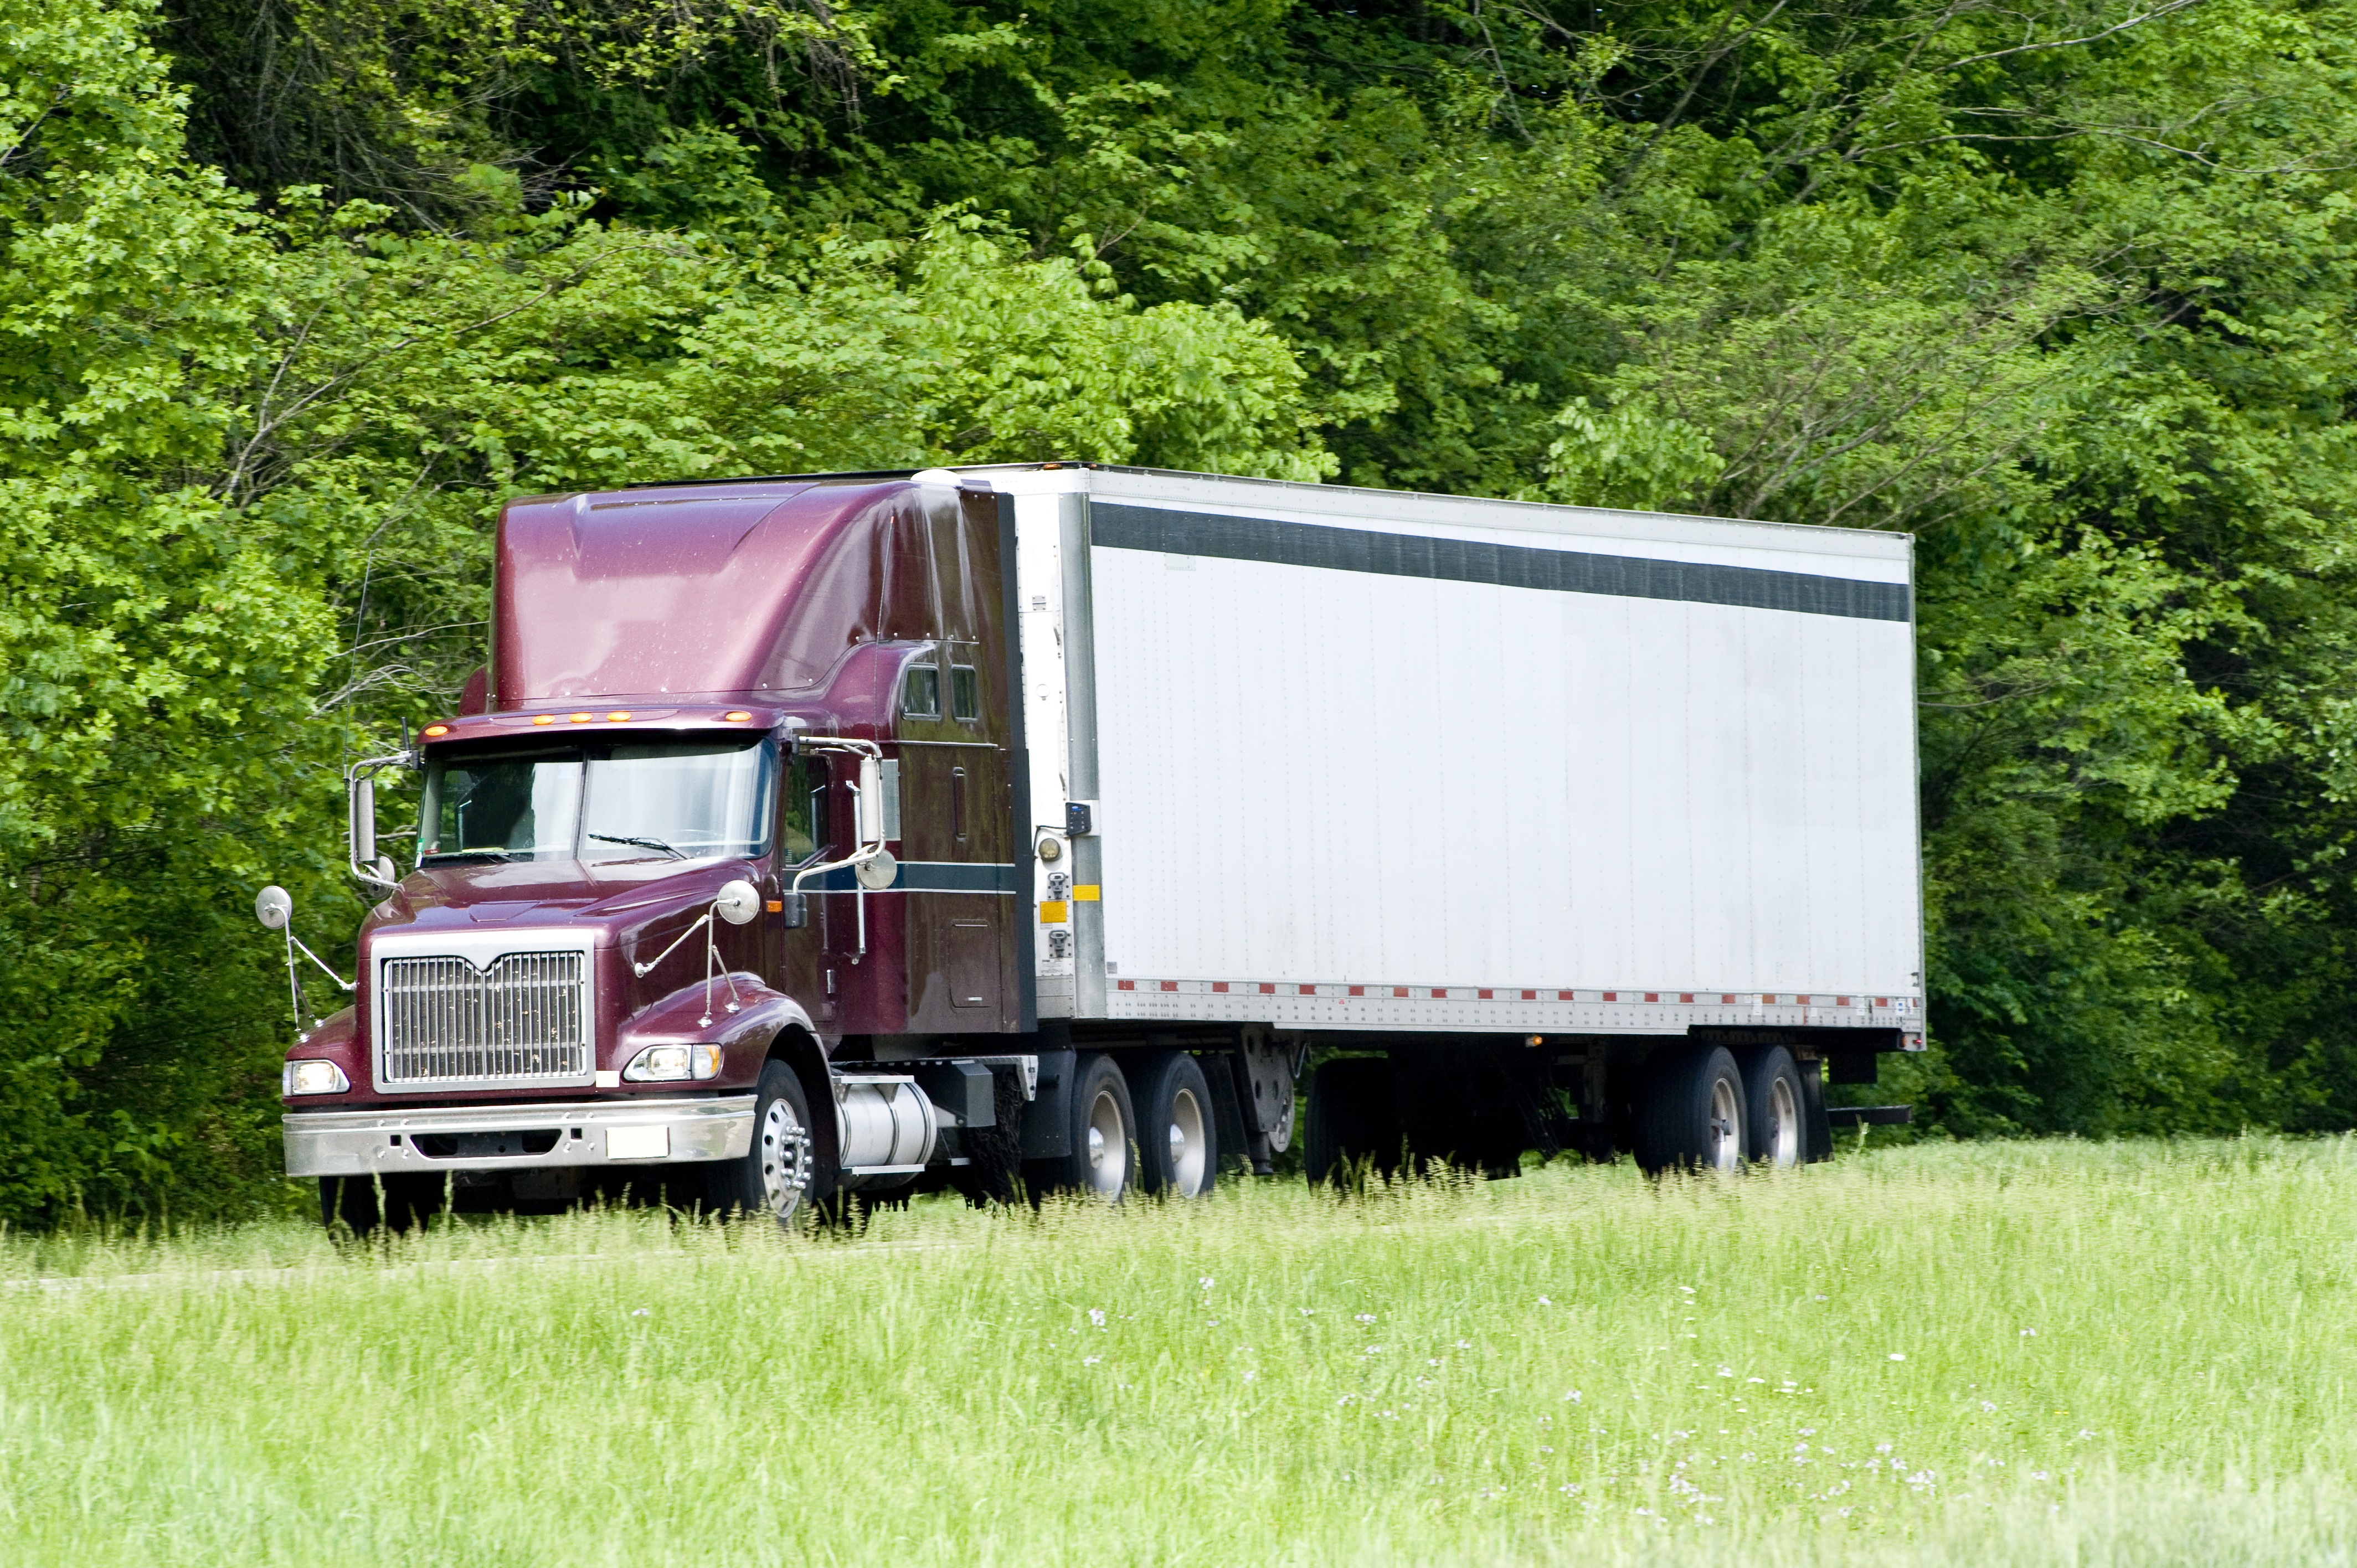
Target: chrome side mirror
x=273, y=906
x=739, y=902
x=362, y=826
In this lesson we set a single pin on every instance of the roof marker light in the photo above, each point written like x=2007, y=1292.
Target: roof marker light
x=736, y=715
x=545, y=719
x=619, y=718
x=433, y=730
x=583, y=718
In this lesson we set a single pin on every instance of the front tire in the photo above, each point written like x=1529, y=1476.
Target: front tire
x=398, y=1202
x=776, y=1175
x=1693, y=1117
x=1178, y=1149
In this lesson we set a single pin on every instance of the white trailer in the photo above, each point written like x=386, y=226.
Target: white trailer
x=1424, y=775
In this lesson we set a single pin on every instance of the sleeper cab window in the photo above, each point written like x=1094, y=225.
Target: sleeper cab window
x=920, y=693
x=965, y=692
x=804, y=809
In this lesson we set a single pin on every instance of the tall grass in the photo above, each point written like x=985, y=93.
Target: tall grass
x=2032, y=1353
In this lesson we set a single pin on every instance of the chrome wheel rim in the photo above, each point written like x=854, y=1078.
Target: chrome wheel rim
x=1724, y=1145
x=1108, y=1148
x=1781, y=1137
x=785, y=1160
x=1187, y=1145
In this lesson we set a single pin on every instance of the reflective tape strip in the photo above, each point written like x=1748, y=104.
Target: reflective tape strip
x=1086, y=893
x=1054, y=911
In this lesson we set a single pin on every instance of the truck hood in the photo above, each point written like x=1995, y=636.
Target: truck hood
x=618, y=898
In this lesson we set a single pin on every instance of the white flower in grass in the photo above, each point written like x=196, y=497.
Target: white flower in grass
x=1988, y=1405
x=1096, y=1316
x=1207, y=1281
x=1544, y=1302
x=1899, y=1355
x=1366, y=1317
x=1091, y=1360
x=1573, y=1396
x=1249, y=1376
x=2039, y=1475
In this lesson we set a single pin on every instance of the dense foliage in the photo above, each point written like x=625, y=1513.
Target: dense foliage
x=300, y=289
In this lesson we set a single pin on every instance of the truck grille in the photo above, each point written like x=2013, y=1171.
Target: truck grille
x=443, y=1020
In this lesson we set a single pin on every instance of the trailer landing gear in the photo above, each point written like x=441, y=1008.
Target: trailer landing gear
x=1353, y=1117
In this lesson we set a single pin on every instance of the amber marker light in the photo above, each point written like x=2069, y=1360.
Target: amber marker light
x=619, y=718
x=736, y=716
x=583, y=718
x=433, y=730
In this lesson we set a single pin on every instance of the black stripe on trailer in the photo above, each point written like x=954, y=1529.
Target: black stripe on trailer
x=1266, y=540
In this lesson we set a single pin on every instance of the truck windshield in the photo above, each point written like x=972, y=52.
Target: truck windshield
x=671, y=800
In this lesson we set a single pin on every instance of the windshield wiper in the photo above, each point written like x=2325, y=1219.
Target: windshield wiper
x=440, y=854
x=642, y=843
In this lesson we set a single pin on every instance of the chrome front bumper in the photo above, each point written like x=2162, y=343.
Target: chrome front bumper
x=501, y=1137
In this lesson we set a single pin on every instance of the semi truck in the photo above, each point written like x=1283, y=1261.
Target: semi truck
x=818, y=840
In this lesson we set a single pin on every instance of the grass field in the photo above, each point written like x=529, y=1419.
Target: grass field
x=2032, y=1353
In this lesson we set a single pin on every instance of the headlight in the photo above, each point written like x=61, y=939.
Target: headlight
x=670, y=1064
x=315, y=1078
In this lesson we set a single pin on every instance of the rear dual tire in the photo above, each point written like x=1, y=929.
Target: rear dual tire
x=1774, y=1109
x=1159, y=1135
x=1178, y=1155
x=1692, y=1114
x=1705, y=1110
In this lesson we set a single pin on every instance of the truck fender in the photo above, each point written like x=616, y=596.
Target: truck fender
x=796, y=1045
x=743, y=1036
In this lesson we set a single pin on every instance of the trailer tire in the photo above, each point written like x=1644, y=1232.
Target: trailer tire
x=1353, y=1118
x=1179, y=1140
x=1103, y=1158
x=1693, y=1117
x=1775, y=1114
x=775, y=1177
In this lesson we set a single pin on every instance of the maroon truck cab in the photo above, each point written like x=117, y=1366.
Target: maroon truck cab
x=798, y=688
